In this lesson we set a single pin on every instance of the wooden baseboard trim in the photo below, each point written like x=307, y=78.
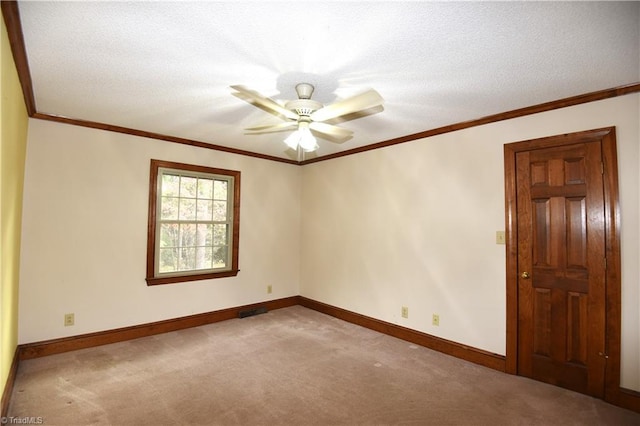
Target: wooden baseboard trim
x=66, y=344
x=8, y=386
x=458, y=350
x=625, y=398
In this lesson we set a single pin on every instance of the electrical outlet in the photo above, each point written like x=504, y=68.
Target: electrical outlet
x=269, y=289
x=68, y=320
x=435, y=320
x=405, y=312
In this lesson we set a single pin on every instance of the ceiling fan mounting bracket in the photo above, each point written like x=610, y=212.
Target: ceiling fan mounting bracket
x=304, y=90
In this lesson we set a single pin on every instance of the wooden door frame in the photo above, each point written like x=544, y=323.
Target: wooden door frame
x=607, y=137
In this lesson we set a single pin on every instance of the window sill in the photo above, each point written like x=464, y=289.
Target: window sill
x=195, y=277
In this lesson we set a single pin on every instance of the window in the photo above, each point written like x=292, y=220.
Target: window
x=194, y=221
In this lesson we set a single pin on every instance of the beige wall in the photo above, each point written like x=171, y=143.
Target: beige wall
x=409, y=225
x=13, y=140
x=414, y=225
x=85, y=233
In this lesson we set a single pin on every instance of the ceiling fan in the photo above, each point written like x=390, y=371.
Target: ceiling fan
x=309, y=117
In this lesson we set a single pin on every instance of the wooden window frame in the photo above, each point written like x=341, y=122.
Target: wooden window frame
x=152, y=278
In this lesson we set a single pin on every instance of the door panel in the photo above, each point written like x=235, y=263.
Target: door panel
x=561, y=247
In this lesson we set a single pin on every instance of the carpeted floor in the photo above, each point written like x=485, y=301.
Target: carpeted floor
x=292, y=366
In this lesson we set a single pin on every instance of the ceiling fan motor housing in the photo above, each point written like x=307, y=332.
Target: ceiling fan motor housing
x=303, y=107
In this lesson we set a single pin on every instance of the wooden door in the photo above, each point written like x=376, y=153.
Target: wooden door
x=561, y=266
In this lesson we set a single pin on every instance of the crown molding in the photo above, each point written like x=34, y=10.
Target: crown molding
x=16, y=39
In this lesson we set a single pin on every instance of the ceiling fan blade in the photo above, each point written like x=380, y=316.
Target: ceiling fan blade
x=273, y=127
x=331, y=132
x=358, y=114
x=365, y=100
x=263, y=102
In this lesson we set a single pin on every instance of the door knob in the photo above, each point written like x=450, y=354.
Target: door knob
x=525, y=275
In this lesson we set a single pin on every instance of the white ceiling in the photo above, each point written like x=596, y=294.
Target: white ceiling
x=166, y=67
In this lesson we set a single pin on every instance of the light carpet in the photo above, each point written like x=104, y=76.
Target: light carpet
x=292, y=366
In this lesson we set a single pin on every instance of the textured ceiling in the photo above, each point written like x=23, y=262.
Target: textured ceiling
x=166, y=67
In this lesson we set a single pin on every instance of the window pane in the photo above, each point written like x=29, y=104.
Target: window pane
x=209, y=255
x=219, y=257
x=220, y=190
x=169, y=208
x=169, y=235
x=204, y=209
x=188, y=186
x=204, y=235
x=170, y=185
x=219, y=210
x=220, y=234
x=168, y=259
x=205, y=188
x=187, y=235
x=187, y=259
x=203, y=257
x=187, y=209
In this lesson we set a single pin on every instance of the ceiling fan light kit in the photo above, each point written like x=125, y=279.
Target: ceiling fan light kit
x=307, y=116
x=302, y=138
